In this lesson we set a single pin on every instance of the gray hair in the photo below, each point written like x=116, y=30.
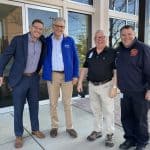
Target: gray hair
x=99, y=31
x=58, y=19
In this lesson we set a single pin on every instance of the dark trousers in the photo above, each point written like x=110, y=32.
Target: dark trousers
x=134, y=110
x=27, y=89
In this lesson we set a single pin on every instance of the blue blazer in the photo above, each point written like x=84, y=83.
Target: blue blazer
x=18, y=50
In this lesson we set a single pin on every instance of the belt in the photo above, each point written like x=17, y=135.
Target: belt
x=29, y=74
x=59, y=71
x=100, y=83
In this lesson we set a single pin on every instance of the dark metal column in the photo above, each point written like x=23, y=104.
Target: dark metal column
x=141, y=24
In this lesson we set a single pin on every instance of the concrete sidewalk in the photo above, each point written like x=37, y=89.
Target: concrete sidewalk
x=83, y=123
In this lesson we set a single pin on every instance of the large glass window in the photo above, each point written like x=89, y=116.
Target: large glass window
x=147, y=23
x=46, y=15
x=90, y=2
x=114, y=30
x=10, y=25
x=128, y=6
x=118, y=5
x=79, y=27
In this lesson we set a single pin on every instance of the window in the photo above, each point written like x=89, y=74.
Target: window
x=90, y=2
x=115, y=26
x=46, y=15
x=10, y=25
x=114, y=30
x=147, y=23
x=118, y=5
x=79, y=27
x=127, y=6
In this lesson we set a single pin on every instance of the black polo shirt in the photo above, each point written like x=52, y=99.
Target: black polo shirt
x=100, y=66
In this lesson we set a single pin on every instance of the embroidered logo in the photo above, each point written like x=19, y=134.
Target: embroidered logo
x=67, y=46
x=90, y=55
x=133, y=52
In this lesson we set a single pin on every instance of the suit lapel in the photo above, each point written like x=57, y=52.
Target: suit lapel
x=25, y=43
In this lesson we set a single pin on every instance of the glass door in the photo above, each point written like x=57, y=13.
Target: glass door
x=46, y=15
x=10, y=26
x=15, y=19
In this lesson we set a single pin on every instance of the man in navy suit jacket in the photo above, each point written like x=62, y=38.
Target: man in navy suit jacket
x=28, y=52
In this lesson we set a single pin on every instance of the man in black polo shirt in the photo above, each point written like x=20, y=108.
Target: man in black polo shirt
x=99, y=67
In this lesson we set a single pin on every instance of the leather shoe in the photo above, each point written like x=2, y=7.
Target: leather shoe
x=38, y=134
x=72, y=133
x=127, y=144
x=18, y=142
x=94, y=135
x=140, y=147
x=53, y=132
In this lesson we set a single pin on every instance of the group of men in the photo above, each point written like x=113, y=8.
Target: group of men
x=126, y=67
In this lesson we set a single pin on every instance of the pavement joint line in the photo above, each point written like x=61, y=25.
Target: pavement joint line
x=31, y=135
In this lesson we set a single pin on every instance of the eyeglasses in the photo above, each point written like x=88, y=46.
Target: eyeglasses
x=37, y=28
x=100, y=37
x=58, y=26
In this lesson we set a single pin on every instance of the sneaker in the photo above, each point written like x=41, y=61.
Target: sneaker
x=127, y=144
x=53, y=132
x=72, y=133
x=94, y=135
x=140, y=147
x=109, y=140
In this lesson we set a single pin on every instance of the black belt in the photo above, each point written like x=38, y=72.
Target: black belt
x=29, y=74
x=100, y=83
x=59, y=71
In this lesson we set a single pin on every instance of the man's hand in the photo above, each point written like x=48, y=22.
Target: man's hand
x=147, y=95
x=79, y=87
x=1, y=81
x=113, y=92
x=74, y=81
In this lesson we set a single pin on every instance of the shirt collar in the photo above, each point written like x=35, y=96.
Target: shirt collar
x=60, y=39
x=31, y=39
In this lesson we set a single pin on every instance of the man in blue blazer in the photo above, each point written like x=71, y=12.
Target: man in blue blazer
x=28, y=52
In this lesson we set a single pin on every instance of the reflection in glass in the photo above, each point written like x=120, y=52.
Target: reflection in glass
x=128, y=6
x=46, y=16
x=147, y=23
x=131, y=6
x=90, y=2
x=10, y=26
x=118, y=5
x=79, y=27
x=115, y=26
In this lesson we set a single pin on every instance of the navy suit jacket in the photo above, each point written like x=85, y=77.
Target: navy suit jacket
x=18, y=49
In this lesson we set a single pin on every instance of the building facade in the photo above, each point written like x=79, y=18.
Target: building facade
x=83, y=18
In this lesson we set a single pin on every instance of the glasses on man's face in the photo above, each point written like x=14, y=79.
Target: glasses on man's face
x=37, y=28
x=58, y=26
x=100, y=37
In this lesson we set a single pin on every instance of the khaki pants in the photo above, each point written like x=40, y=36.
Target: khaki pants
x=102, y=107
x=54, y=93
